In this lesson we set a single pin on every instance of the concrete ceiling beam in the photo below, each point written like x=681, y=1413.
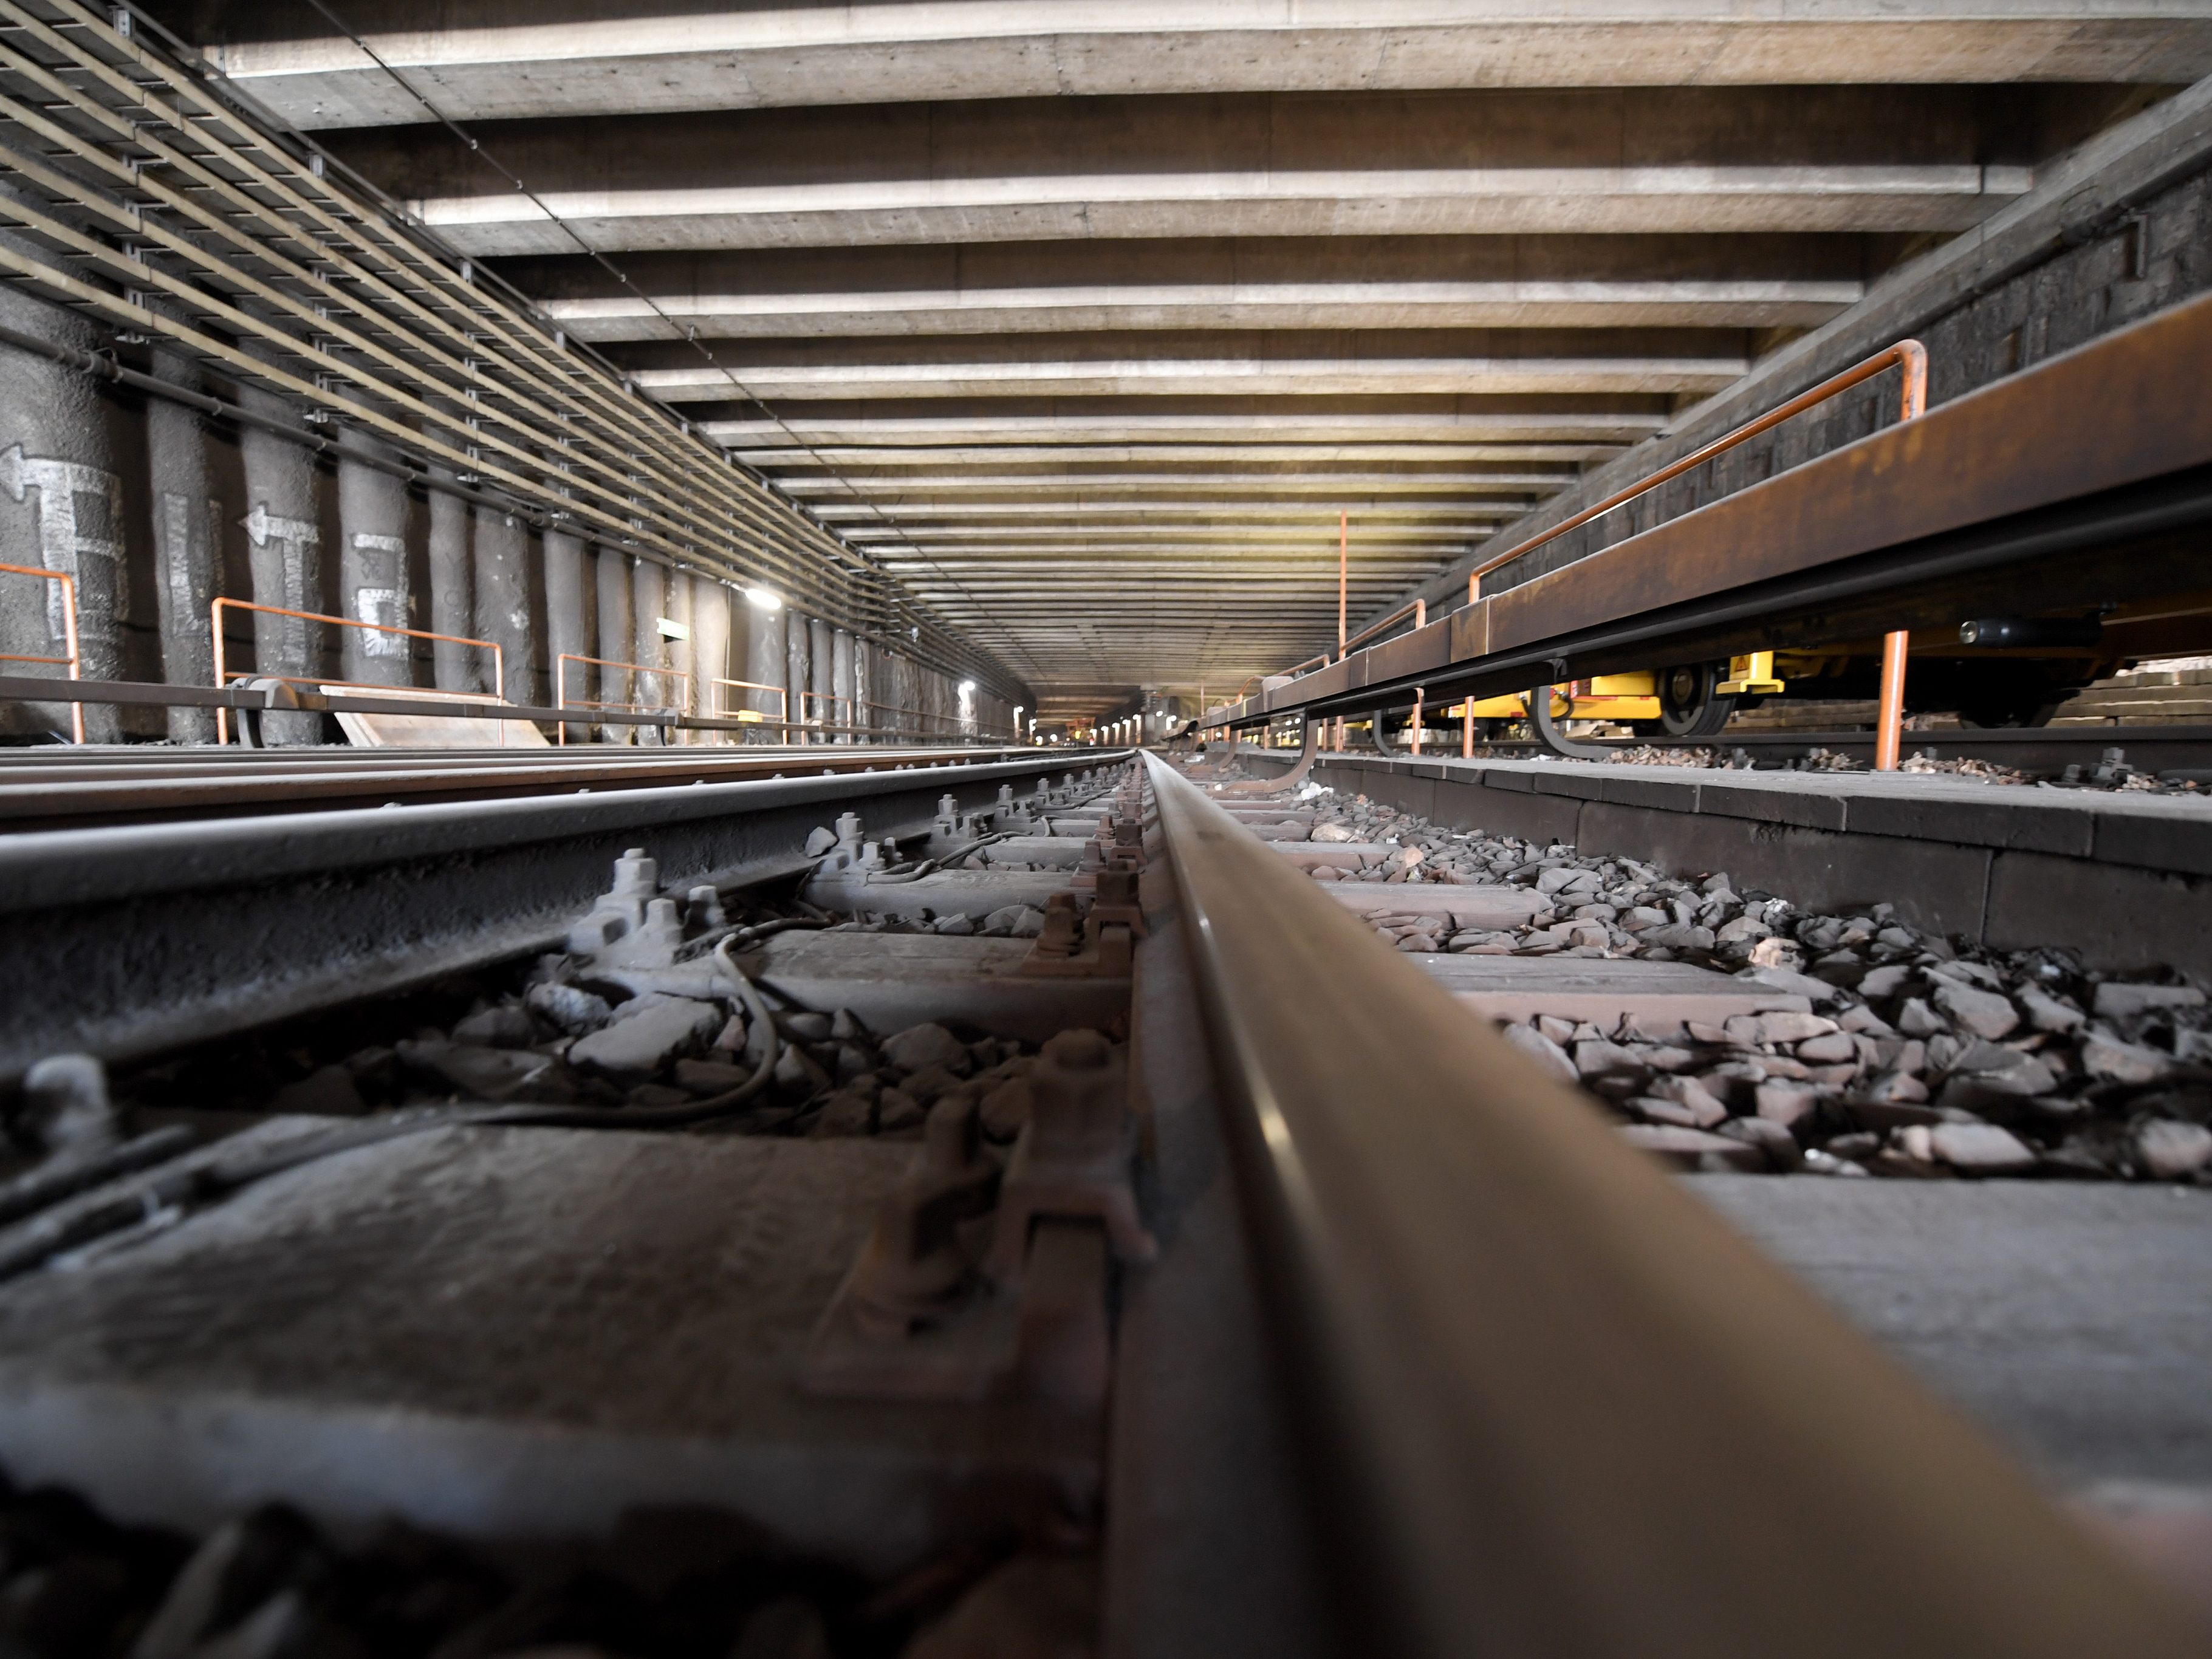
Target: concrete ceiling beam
x=1943, y=197
x=1286, y=306
x=868, y=520
x=861, y=462
x=493, y=59
x=1007, y=491
x=1612, y=160
x=1280, y=425
x=1334, y=283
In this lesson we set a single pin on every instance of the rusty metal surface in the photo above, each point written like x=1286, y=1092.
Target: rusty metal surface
x=1570, y=1413
x=2125, y=410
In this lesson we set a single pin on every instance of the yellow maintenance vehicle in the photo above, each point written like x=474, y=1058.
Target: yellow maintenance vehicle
x=1989, y=671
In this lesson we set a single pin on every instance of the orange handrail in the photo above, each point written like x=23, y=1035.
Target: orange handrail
x=561, y=687
x=215, y=624
x=1418, y=611
x=782, y=721
x=68, y=634
x=1910, y=354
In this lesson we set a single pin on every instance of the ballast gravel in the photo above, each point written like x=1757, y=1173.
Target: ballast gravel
x=1926, y=1057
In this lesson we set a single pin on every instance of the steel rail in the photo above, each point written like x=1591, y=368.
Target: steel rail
x=1567, y=1411
x=80, y=797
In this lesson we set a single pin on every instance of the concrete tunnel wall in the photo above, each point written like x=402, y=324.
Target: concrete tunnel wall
x=156, y=512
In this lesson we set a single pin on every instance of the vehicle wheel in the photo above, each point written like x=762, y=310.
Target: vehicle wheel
x=1689, y=705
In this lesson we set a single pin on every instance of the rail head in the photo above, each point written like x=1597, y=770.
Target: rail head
x=1567, y=1412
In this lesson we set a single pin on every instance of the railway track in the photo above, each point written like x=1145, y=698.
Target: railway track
x=940, y=1209
x=71, y=787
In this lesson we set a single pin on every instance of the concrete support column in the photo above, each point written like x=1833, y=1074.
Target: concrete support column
x=648, y=593
x=864, y=688
x=906, y=714
x=187, y=544
x=453, y=595
x=764, y=662
x=840, y=680
x=61, y=509
x=373, y=514
x=285, y=548
x=602, y=683
x=568, y=604
x=798, y=674
x=503, y=600
x=677, y=652
x=821, y=665
x=710, y=652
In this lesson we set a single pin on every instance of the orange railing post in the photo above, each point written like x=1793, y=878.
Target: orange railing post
x=561, y=687
x=833, y=700
x=1889, y=717
x=215, y=626
x=1420, y=619
x=782, y=721
x=69, y=636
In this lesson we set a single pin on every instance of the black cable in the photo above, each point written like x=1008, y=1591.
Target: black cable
x=40, y=1240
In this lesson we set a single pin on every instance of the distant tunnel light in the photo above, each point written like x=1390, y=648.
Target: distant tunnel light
x=967, y=688
x=760, y=600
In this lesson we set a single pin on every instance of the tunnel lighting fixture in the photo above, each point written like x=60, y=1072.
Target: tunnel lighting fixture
x=967, y=688
x=760, y=600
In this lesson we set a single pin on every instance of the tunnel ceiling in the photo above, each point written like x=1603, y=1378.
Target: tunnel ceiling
x=1091, y=320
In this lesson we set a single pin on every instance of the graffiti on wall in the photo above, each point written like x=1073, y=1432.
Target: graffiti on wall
x=381, y=599
x=80, y=511
x=293, y=542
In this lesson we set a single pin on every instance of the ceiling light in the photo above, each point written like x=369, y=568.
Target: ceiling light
x=760, y=600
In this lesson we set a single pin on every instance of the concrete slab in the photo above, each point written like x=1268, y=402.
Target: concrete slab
x=1659, y=995
x=1341, y=854
x=973, y=893
x=2073, y=1320
x=432, y=729
x=1040, y=852
x=504, y=1333
x=892, y=981
x=1466, y=906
